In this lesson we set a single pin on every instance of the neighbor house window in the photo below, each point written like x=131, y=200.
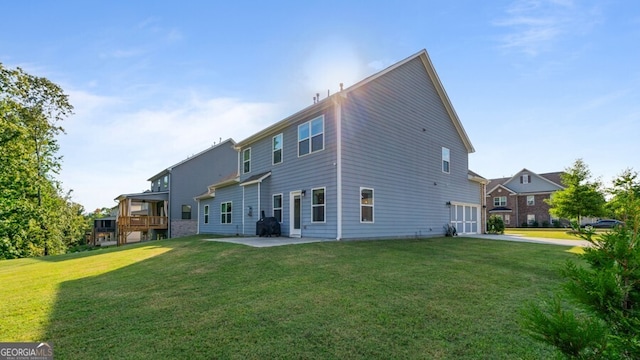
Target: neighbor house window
x=525, y=179
x=186, y=212
x=311, y=136
x=225, y=212
x=507, y=219
x=277, y=149
x=446, y=160
x=317, y=205
x=366, y=205
x=531, y=218
x=277, y=207
x=166, y=181
x=531, y=200
x=246, y=160
x=500, y=201
x=206, y=214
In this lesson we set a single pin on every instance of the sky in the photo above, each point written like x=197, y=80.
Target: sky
x=537, y=84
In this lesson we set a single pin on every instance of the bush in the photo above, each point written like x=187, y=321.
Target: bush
x=495, y=225
x=545, y=224
x=524, y=224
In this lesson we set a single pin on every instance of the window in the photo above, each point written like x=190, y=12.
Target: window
x=366, y=205
x=507, y=219
x=166, y=181
x=317, y=205
x=225, y=212
x=246, y=160
x=311, y=136
x=186, y=211
x=277, y=149
x=206, y=214
x=277, y=207
x=525, y=179
x=500, y=201
x=531, y=200
x=446, y=160
x=531, y=218
x=158, y=185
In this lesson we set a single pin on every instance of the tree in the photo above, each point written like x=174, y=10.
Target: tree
x=625, y=191
x=601, y=318
x=580, y=197
x=495, y=225
x=31, y=205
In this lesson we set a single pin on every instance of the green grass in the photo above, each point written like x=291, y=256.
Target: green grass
x=547, y=233
x=439, y=298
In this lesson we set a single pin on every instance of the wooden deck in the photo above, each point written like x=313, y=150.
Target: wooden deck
x=127, y=224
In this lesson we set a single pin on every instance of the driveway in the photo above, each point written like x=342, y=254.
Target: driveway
x=280, y=241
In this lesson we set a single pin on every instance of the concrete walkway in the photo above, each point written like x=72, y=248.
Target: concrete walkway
x=280, y=241
x=518, y=238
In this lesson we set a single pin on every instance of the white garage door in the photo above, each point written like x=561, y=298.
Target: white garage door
x=465, y=218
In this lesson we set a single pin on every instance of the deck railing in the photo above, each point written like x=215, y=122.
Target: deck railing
x=137, y=223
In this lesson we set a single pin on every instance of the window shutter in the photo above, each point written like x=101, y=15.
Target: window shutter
x=521, y=179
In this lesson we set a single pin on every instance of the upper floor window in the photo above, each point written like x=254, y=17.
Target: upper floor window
x=525, y=179
x=166, y=181
x=206, y=214
x=225, y=212
x=277, y=149
x=500, y=201
x=317, y=205
x=311, y=136
x=277, y=207
x=246, y=160
x=186, y=212
x=531, y=200
x=366, y=205
x=446, y=160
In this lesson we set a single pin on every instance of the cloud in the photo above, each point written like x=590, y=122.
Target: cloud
x=535, y=26
x=111, y=149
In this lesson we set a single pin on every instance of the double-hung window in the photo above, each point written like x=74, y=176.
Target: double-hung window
x=317, y=205
x=206, y=214
x=500, y=201
x=225, y=212
x=446, y=160
x=246, y=160
x=277, y=207
x=531, y=200
x=366, y=205
x=277, y=149
x=311, y=136
x=186, y=211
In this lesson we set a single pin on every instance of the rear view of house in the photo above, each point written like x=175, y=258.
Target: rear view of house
x=386, y=157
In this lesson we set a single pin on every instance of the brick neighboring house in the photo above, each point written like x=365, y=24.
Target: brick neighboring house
x=520, y=199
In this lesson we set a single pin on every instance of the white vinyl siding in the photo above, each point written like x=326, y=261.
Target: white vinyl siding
x=366, y=205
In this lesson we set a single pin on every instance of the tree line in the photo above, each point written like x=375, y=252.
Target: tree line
x=36, y=216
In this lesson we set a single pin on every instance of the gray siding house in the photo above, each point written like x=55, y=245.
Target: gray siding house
x=384, y=158
x=168, y=208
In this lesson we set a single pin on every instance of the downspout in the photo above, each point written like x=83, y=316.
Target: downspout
x=338, y=115
x=259, y=184
x=242, y=211
x=169, y=206
x=198, y=219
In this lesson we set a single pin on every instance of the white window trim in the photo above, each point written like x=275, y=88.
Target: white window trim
x=324, y=206
x=206, y=214
x=228, y=212
x=524, y=178
x=499, y=201
x=246, y=161
x=533, y=202
x=447, y=159
x=372, y=206
x=311, y=136
x=530, y=222
x=273, y=205
x=273, y=151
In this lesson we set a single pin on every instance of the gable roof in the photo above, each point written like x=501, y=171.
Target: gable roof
x=328, y=101
x=499, y=186
x=554, y=178
x=168, y=170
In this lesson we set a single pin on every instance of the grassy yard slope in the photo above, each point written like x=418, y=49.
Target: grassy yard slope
x=188, y=298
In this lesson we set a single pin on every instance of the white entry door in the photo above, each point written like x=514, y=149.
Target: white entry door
x=295, y=212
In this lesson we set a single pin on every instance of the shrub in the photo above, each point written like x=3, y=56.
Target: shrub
x=545, y=224
x=495, y=225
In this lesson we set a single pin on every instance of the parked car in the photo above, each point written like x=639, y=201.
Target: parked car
x=605, y=223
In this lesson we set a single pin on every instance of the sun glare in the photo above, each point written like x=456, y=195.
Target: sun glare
x=330, y=63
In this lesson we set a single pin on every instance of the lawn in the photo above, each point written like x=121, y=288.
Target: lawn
x=438, y=298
